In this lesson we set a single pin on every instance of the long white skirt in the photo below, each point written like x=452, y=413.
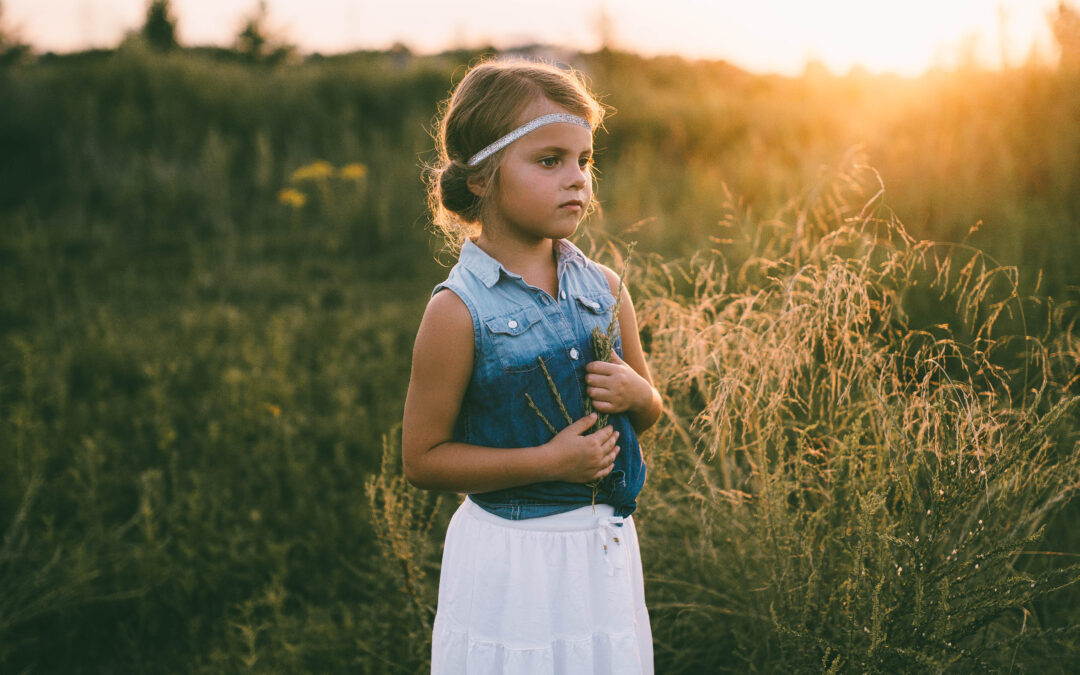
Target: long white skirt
x=557, y=595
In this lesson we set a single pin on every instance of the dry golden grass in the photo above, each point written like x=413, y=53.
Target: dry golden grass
x=853, y=486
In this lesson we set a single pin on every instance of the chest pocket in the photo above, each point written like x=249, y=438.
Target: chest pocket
x=594, y=310
x=517, y=338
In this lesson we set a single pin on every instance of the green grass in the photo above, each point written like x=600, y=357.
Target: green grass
x=198, y=383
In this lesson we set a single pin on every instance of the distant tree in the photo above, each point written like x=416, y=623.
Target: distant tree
x=604, y=27
x=3, y=29
x=256, y=43
x=252, y=38
x=11, y=48
x=400, y=54
x=159, y=31
x=1065, y=24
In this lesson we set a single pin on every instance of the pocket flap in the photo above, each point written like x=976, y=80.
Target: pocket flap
x=596, y=304
x=514, y=323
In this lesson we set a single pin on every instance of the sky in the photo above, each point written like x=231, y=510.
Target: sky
x=780, y=36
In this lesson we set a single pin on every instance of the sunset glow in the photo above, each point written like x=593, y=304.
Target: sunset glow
x=771, y=35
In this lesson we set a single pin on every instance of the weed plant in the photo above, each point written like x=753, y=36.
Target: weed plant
x=405, y=526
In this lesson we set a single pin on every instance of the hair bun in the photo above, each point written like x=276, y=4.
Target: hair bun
x=454, y=192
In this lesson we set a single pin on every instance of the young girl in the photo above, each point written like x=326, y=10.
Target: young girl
x=535, y=578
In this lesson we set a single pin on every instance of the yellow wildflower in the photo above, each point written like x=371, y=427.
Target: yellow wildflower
x=317, y=170
x=233, y=375
x=291, y=197
x=274, y=410
x=353, y=171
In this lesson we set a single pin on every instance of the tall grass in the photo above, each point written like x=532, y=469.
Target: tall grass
x=841, y=488
x=834, y=487
x=196, y=377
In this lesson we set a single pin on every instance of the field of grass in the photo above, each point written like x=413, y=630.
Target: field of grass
x=870, y=444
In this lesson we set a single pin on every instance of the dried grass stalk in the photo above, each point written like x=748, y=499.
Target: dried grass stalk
x=603, y=343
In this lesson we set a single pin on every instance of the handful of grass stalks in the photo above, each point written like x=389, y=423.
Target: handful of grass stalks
x=603, y=343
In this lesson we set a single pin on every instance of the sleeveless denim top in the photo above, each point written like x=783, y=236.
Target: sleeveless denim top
x=515, y=326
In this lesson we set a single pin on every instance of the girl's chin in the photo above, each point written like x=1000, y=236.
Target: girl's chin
x=566, y=231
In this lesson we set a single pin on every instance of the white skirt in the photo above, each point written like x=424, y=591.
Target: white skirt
x=557, y=595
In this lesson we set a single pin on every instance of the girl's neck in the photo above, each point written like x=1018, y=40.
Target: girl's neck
x=519, y=256
x=533, y=260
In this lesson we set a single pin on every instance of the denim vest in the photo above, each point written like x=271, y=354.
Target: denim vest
x=514, y=326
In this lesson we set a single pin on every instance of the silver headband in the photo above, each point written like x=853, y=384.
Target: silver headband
x=524, y=129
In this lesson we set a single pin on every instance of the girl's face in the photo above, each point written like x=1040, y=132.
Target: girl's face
x=544, y=183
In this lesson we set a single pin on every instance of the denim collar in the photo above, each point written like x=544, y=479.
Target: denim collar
x=487, y=269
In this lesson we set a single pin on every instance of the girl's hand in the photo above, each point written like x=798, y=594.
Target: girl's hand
x=615, y=387
x=579, y=458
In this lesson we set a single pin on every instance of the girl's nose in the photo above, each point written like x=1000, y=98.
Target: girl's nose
x=578, y=175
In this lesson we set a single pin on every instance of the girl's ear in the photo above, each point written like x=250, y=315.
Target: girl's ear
x=477, y=184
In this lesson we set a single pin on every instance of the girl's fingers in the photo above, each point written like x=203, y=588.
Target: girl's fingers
x=610, y=459
x=598, y=367
x=603, y=405
x=582, y=425
x=602, y=435
x=604, y=441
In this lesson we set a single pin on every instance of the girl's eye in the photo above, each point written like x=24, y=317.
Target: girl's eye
x=549, y=162
x=585, y=162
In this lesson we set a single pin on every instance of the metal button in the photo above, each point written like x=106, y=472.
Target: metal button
x=512, y=324
x=573, y=353
x=595, y=305
x=562, y=294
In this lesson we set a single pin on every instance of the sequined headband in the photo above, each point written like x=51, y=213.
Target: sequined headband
x=524, y=129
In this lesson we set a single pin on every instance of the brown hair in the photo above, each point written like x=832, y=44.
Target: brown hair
x=484, y=107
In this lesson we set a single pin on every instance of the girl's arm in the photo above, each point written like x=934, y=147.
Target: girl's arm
x=441, y=368
x=625, y=385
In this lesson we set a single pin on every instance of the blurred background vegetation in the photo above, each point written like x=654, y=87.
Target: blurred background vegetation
x=214, y=261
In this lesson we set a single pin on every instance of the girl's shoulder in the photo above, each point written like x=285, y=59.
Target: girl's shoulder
x=448, y=310
x=450, y=313
x=451, y=280
x=465, y=296
x=474, y=269
x=458, y=296
x=596, y=274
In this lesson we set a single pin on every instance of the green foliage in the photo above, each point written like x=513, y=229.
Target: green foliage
x=198, y=376
x=193, y=434
x=121, y=128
